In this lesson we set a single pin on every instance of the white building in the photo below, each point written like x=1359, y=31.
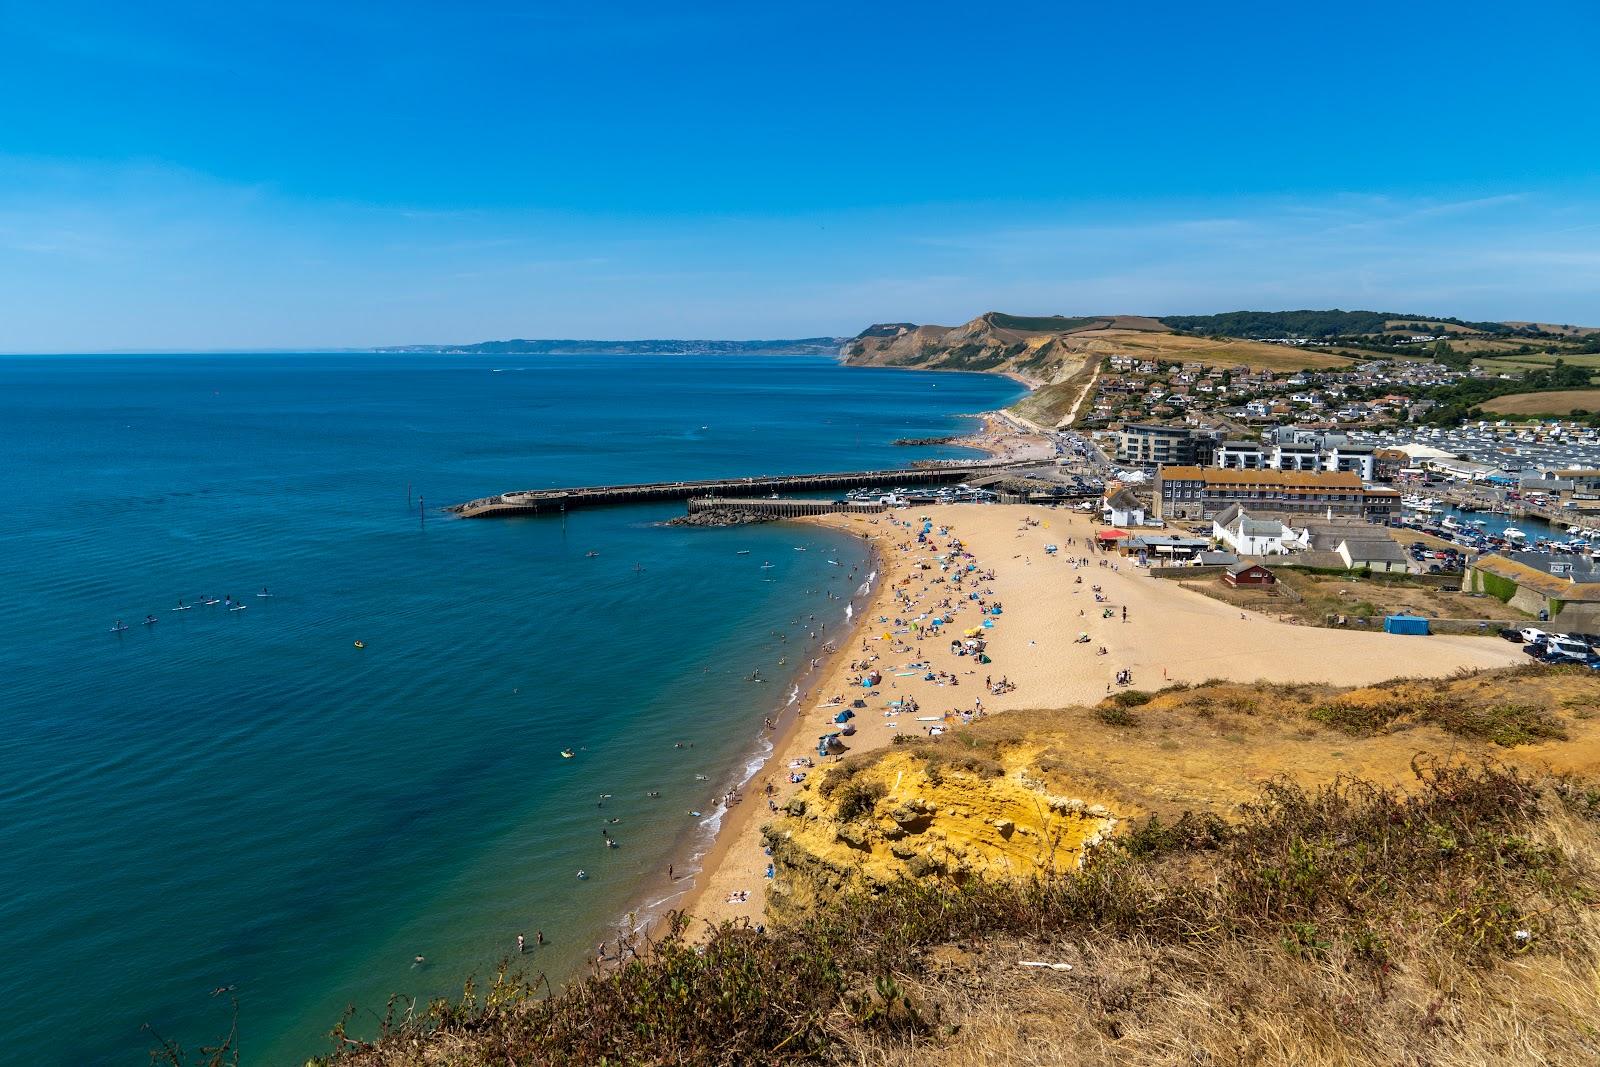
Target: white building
x=1255, y=537
x=1122, y=508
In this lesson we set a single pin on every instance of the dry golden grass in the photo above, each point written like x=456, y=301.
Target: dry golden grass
x=1229, y=353
x=1559, y=402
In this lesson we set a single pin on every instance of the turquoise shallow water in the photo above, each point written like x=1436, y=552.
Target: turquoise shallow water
x=244, y=799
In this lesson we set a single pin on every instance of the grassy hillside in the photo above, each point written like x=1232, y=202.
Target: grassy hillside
x=1561, y=402
x=1314, y=324
x=1214, y=353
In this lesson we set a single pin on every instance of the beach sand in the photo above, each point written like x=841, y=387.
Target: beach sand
x=1171, y=635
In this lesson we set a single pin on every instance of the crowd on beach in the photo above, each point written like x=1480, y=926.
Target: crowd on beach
x=940, y=602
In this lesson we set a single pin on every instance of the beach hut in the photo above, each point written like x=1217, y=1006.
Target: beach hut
x=1249, y=574
x=1405, y=624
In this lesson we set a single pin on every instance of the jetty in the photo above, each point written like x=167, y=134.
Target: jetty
x=555, y=501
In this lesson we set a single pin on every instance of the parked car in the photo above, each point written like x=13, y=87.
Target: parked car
x=1567, y=650
x=1512, y=635
x=1532, y=633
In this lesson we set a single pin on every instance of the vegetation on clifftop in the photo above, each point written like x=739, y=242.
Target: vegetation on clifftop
x=1336, y=924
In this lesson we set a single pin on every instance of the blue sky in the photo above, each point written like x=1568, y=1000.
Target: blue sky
x=251, y=174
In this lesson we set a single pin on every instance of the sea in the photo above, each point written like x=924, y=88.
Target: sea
x=239, y=816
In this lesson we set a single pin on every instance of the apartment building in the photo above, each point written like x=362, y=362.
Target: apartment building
x=1192, y=492
x=1153, y=445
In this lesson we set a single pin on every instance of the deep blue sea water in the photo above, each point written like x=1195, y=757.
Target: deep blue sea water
x=245, y=799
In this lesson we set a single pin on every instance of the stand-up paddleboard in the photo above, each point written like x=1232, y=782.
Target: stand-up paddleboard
x=238, y=607
x=119, y=629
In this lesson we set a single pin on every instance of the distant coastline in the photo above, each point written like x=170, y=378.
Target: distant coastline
x=802, y=346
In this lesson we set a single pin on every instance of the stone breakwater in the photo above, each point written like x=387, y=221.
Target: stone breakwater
x=718, y=517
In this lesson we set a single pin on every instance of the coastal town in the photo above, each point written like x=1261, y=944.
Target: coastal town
x=1270, y=528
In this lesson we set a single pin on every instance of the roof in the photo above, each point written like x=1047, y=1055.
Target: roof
x=1326, y=536
x=1249, y=527
x=1416, y=451
x=1222, y=476
x=1365, y=551
x=1537, y=580
x=1245, y=565
x=1123, y=500
x=1174, y=540
x=1217, y=559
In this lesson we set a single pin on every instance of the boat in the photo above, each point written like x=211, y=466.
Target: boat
x=1449, y=523
x=361, y=644
x=591, y=554
x=742, y=552
x=1514, y=535
x=767, y=566
x=797, y=548
x=566, y=753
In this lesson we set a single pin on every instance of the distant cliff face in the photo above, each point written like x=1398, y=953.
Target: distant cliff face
x=1041, y=349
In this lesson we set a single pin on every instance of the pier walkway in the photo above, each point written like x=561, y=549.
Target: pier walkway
x=787, y=509
x=553, y=501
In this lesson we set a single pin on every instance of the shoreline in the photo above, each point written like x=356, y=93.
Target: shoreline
x=779, y=741
x=1170, y=635
x=709, y=854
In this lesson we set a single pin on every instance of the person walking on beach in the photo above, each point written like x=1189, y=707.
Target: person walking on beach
x=670, y=876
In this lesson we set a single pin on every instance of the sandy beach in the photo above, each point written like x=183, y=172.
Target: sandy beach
x=1168, y=634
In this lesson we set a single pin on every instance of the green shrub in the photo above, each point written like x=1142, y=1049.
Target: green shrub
x=1113, y=714
x=857, y=799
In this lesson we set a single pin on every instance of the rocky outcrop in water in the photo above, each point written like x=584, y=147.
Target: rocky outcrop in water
x=717, y=517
